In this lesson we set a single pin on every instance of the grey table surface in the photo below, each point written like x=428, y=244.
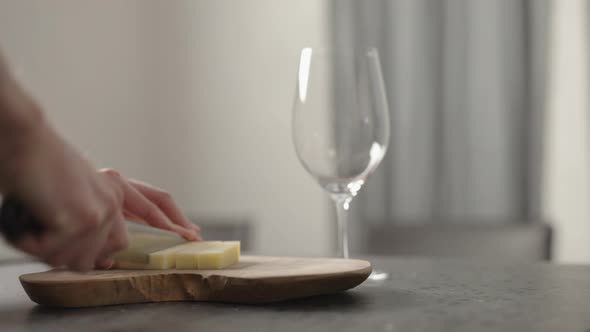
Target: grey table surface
x=421, y=295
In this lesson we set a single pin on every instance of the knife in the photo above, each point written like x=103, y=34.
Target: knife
x=16, y=221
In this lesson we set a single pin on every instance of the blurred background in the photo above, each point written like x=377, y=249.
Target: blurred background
x=490, y=147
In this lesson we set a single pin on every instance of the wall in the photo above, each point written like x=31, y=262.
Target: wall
x=194, y=96
x=566, y=190
x=224, y=113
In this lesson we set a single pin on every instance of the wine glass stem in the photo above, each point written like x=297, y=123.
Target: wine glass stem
x=342, y=205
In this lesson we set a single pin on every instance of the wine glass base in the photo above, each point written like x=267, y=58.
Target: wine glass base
x=378, y=275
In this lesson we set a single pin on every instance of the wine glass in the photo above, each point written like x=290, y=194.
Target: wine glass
x=341, y=124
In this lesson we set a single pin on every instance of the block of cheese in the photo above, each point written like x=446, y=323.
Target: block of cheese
x=225, y=255
x=149, y=251
x=208, y=255
x=166, y=259
x=186, y=260
x=186, y=257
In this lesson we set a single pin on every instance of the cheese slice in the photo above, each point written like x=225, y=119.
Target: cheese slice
x=186, y=257
x=212, y=255
x=149, y=251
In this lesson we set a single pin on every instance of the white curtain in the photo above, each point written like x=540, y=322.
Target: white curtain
x=465, y=83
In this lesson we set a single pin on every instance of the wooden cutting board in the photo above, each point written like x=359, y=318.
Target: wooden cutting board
x=255, y=279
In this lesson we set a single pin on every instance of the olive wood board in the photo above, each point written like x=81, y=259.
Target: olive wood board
x=254, y=280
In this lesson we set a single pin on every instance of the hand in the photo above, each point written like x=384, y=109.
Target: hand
x=84, y=210
x=147, y=204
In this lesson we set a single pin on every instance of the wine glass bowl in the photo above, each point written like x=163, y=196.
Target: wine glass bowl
x=340, y=123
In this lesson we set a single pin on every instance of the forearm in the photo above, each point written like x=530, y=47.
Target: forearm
x=21, y=121
x=18, y=111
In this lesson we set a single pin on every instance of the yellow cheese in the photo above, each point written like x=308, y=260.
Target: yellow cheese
x=149, y=251
x=213, y=255
x=186, y=258
x=166, y=259
x=226, y=254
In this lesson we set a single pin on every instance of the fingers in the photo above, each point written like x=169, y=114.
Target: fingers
x=117, y=239
x=138, y=205
x=165, y=202
x=30, y=245
x=131, y=216
x=89, y=250
x=94, y=248
x=91, y=231
x=92, y=226
x=94, y=244
x=89, y=227
x=80, y=252
x=105, y=264
x=66, y=253
x=59, y=248
x=67, y=229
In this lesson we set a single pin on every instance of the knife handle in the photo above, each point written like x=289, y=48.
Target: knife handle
x=17, y=221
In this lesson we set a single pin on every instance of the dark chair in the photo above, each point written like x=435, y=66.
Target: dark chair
x=508, y=242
